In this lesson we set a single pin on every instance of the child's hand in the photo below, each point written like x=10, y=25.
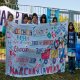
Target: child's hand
x=6, y=24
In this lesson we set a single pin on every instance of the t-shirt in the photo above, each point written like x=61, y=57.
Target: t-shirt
x=4, y=27
x=4, y=30
x=71, y=40
x=71, y=44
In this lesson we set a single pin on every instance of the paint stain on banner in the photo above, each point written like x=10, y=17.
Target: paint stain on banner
x=54, y=60
x=45, y=54
x=61, y=60
x=54, y=53
x=61, y=52
x=8, y=35
x=32, y=60
x=53, y=34
x=49, y=35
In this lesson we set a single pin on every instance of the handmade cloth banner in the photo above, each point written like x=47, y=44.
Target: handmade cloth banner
x=33, y=50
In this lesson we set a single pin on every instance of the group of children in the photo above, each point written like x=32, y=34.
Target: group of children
x=34, y=19
x=43, y=19
x=28, y=20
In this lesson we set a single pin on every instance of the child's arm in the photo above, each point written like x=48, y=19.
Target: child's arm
x=4, y=30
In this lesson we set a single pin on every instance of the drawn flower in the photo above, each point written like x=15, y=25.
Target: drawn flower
x=49, y=35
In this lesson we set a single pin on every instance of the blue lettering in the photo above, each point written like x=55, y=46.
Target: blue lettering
x=3, y=17
x=21, y=37
x=44, y=70
x=17, y=14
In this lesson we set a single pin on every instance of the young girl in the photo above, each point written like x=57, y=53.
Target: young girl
x=29, y=20
x=71, y=47
x=54, y=20
x=43, y=19
x=25, y=19
x=10, y=19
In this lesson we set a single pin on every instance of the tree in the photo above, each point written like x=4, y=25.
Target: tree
x=10, y=3
x=63, y=18
x=1, y=1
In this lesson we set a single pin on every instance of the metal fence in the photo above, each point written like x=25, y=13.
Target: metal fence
x=64, y=15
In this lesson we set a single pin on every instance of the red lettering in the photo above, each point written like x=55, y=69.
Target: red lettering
x=57, y=67
x=54, y=68
x=16, y=71
x=12, y=70
x=29, y=71
x=25, y=70
x=12, y=53
x=33, y=70
x=49, y=69
x=21, y=70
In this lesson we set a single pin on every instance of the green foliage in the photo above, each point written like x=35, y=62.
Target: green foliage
x=12, y=4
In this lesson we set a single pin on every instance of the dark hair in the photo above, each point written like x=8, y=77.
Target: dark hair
x=10, y=14
x=29, y=18
x=25, y=15
x=79, y=35
x=71, y=24
x=34, y=14
x=54, y=18
x=43, y=17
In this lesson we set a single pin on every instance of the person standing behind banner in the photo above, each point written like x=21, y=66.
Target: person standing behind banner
x=71, y=47
x=43, y=19
x=34, y=18
x=10, y=19
x=25, y=19
x=78, y=51
x=54, y=20
x=29, y=20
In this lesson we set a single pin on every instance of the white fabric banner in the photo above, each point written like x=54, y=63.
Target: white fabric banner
x=33, y=50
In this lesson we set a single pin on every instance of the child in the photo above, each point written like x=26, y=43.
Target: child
x=71, y=47
x=10, y=19
x=43, y=19
x=25, y=19
x=29, y=20
x=54, y=20
x=78, y=51
x=34, y=18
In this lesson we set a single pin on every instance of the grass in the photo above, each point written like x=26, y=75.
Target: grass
x=56, y=76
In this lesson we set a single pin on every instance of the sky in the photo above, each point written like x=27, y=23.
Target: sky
x=61, y=4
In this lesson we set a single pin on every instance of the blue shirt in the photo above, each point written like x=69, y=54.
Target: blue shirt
x=4, y=30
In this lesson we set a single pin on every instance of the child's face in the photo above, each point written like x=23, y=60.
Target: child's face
x=29, y=21
x=10, y=18
x=43, y=20
x=70, y=27
x=35, y=20
x=55, y=21
x=25, y=20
